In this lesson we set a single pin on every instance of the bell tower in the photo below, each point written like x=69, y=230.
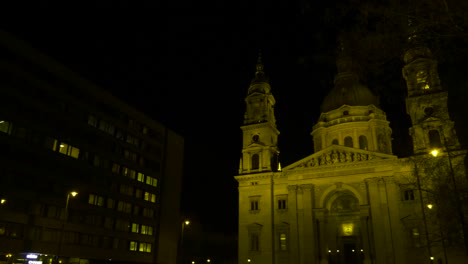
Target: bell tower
x=259, y=132
x=426, y=101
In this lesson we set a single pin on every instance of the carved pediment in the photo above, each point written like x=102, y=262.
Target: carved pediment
x=430, y=119
x=337, y=155
x=256, y=144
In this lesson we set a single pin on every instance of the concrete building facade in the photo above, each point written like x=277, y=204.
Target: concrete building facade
x=351, y=200
x=60, y=133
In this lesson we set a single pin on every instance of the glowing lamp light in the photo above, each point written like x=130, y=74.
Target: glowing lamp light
x=352, y=250
x=73, y=194
x=1, y=121
x=329, y=251
x=208, y=260
x=429, y=206
x=62, y=145
x=187, y=222
x=193, y=262
x=362, y=250
x=31, y=256
x=348, y=229
x=248, y=260
x=2, y=201
x=432, y=258
x=338, y=250
x=435, y=152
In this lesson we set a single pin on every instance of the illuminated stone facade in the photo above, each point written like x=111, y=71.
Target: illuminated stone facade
x=349, y=201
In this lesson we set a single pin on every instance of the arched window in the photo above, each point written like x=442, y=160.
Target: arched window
x=255, y=162
x=348, y=142
x=335, y=142
x=345, y=113
x=434, y=139
x=363, y=142
x=283, y=242
x=254, y=242
x=422, y=79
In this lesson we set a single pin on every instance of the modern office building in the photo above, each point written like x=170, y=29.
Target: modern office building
x=352, y=200
x=84, y=177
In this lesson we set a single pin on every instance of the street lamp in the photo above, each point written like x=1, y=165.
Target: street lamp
x=185, y=223
x=72, y=194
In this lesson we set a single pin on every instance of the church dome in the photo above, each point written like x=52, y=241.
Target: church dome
x=347, y=90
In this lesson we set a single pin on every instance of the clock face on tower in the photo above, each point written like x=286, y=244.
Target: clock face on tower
x=255, y=138
x=429, y=111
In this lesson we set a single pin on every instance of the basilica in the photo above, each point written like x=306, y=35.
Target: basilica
x=351, y=200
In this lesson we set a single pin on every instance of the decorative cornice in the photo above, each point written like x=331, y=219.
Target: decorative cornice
x=256, y=176
x=254, y=227
x=259, y=148
x=299, y=190
x=260, y=125
x=307, y=186
x=292, y=188
x=339, y=157
x=372, y=180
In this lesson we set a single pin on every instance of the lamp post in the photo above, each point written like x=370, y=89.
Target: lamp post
x=184, y=223
x=72, y=194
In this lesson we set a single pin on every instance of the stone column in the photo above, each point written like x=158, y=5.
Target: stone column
x=332, y=232
x=300, y=224
x=378, y=223
x=393, y=192
x=374, y=140
x=323, y=247
x=385, y=221
x=366, y=237
x=308, y=231
x=293, y=225
x=355, y=139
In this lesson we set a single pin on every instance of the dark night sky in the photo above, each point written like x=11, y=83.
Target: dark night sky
x=192, y=73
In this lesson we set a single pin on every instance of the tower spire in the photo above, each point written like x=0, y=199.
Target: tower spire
x=259, y=60
x=343, y=57
x=426, y=101
x=260, y=135
x=259, y=74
